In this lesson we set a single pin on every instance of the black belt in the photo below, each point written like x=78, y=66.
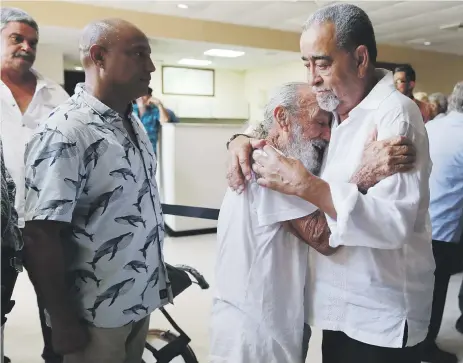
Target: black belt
x=187, y=211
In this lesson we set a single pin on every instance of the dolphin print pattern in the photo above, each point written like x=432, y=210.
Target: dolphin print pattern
x=83, y=169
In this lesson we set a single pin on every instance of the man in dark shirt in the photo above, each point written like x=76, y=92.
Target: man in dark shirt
x=11, y=244
x=152, y=114
x=405, y=78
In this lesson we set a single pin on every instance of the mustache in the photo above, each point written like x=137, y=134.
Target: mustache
x=23, y=55
x=316, y=89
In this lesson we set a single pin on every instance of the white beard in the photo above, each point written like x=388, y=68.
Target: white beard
x=309, y=152
x=328, y=101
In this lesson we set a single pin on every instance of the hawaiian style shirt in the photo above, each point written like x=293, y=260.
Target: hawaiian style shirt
x=11, y=235
x=83, y=169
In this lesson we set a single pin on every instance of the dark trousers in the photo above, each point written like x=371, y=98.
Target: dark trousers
x=446, y=255
x=305, y=341
x=337, y=347
x=8, y=277
x=460, y=298
x=48, y=354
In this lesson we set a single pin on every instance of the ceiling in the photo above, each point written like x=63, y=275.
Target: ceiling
x=403, y=23
x=170, y=51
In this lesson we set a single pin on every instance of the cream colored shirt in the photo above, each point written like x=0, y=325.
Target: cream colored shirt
x=17, y=129
x=383, y=276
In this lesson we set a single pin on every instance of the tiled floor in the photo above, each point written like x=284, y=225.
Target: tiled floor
x=23, y=342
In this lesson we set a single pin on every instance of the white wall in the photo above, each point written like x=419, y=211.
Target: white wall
x=229, y=101
x=260, y=82
x=49, y=63
x=192, y=168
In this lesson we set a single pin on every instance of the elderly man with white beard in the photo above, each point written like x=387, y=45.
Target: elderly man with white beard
x=260, y=300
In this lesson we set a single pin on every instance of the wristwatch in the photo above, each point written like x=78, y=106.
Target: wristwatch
x=235, y=136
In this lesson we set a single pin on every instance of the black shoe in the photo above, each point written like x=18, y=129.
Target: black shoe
x=434, y=354
x=459, y=325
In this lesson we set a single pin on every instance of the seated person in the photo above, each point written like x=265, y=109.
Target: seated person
x=152, y=114
x=259, y=303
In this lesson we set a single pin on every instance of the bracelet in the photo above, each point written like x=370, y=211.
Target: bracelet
x=234, y=137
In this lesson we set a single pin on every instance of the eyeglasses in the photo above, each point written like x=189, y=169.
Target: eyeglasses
x=400, y=81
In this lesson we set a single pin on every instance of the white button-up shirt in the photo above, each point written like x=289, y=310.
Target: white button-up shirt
x=261, y=268
x=382, y=277
x=446, y=182
x=17, y=129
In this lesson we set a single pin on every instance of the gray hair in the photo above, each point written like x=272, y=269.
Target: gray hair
x=440, y=99
x=285, y=96
x=95, y=33
x=352, y=26
x=456, y=98
x=10, y=15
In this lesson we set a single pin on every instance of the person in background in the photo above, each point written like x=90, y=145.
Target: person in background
x=92, y=206
x=421, y=96
x=405, y=78
x=11, y=246
x=439, y=104
x=446, y=210
x=26, y=98
x=152, y=114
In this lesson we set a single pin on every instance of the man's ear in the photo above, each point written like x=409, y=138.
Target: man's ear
x=281, y=117
x=412, y=84
x=97, y=55
x=362, y=58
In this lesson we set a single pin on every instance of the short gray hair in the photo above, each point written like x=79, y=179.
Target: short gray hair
x=456, y=98
x=352, y=26
x=440, y=99
x=285, y=96
x=10, y=15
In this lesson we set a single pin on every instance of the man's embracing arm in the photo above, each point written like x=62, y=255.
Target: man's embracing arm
x=380, y=160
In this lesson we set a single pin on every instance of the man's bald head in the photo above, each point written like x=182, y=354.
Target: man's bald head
x=116, y=56
x=105, y=33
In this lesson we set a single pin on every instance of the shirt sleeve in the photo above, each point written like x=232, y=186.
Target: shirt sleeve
x=172, y=117
x=55, y=174
x=273, y=207
x=386, y=217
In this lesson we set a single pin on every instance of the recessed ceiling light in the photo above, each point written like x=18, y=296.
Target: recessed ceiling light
x=223, y=53
x=194, y=62
x=182, y=6
x=427, y=43
x=78, y=69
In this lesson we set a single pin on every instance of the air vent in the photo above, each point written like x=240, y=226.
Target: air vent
x=452, y=27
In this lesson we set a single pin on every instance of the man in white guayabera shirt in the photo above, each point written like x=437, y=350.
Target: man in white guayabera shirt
x=26, y=98
x=373, y=297
x=259, y=303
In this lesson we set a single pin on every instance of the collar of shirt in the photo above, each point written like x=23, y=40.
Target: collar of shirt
x=42, y=82
x=108, y=114
x=378, y=94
